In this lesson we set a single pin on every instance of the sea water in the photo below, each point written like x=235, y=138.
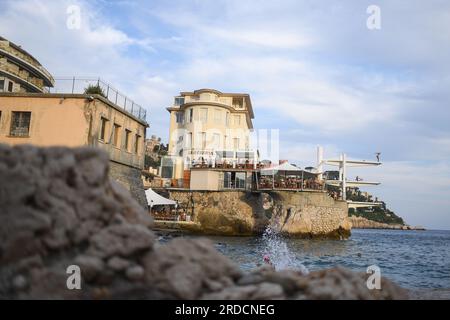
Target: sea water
x=413, y=259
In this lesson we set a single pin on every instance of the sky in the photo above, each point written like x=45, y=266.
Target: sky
x=313, y=69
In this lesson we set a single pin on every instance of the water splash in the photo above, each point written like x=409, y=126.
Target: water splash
x=277, y=250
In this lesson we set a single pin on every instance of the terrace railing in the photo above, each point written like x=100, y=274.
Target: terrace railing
x=79, y=85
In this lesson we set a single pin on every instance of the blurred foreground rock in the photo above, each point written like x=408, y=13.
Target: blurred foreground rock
x=59, y=208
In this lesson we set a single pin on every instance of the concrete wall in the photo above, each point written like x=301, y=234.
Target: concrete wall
x=54, y=121
x=204, y=180
x=298, y=214
x=75, y=120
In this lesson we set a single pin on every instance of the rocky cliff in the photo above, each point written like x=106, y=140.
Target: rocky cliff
x=309, y=214
x=363, y=223
x=233, y=213
x=59, y=208
x=240, y=213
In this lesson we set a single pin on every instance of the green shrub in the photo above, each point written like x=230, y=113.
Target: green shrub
x=94, y=89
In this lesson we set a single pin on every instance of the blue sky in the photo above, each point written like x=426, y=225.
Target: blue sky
x=313, y=70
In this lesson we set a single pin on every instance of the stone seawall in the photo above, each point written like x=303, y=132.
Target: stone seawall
x=310, y=214
x=130, y=179
x=241, y=213
x=234, y=213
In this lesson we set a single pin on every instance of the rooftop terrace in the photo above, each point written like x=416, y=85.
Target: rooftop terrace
x=79, y=85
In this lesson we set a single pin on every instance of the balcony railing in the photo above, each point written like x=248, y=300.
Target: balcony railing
x=79, y=85
x=4, y=45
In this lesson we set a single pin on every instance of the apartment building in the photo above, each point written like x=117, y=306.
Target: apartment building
x=20, y=71
x=209, y=128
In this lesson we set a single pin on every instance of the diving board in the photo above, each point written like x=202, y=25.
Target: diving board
x=352, y=163
x=343, y=163
x=338, y=183
x=359, y=204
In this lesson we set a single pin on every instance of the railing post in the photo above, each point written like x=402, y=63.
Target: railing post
x=125, y=104
x=116, y=95
x=132, y=106
x=302, y=180
x=73, y=84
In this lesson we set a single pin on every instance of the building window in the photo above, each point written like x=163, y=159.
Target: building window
x=136, y=145
x=238, y=103
x=234, y=180
x=240, y=180
x=225, y=142
x=237, y=120
x=10, y=86
x=20, y=124
x=204, y=115
x=179, y=117
x=179, y=101
x=167, y=167
x=127, y=139
x=201, y=140
x=189, y=140
x=217, y=116
x=190, y=115
x=216, y=140
x=236, y=143
x=227, y=180
x=116, y=135
x=103, y=124
x=2, y=85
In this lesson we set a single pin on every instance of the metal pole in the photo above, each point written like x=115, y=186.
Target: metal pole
x=344, y=177
x=302, y=178
x=285, y=179
x=273, y=180
x=73, y=84
x=319, y=162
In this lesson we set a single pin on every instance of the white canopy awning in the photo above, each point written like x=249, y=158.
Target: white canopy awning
x=154, y=199
x=284, y=167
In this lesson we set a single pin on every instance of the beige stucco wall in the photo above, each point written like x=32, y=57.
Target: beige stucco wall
x=53, y=121
x=72, y=120
x=211, y=126
x=204, y=180
x=212, y=102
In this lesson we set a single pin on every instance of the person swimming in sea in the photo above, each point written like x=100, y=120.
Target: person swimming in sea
x=266, y=259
